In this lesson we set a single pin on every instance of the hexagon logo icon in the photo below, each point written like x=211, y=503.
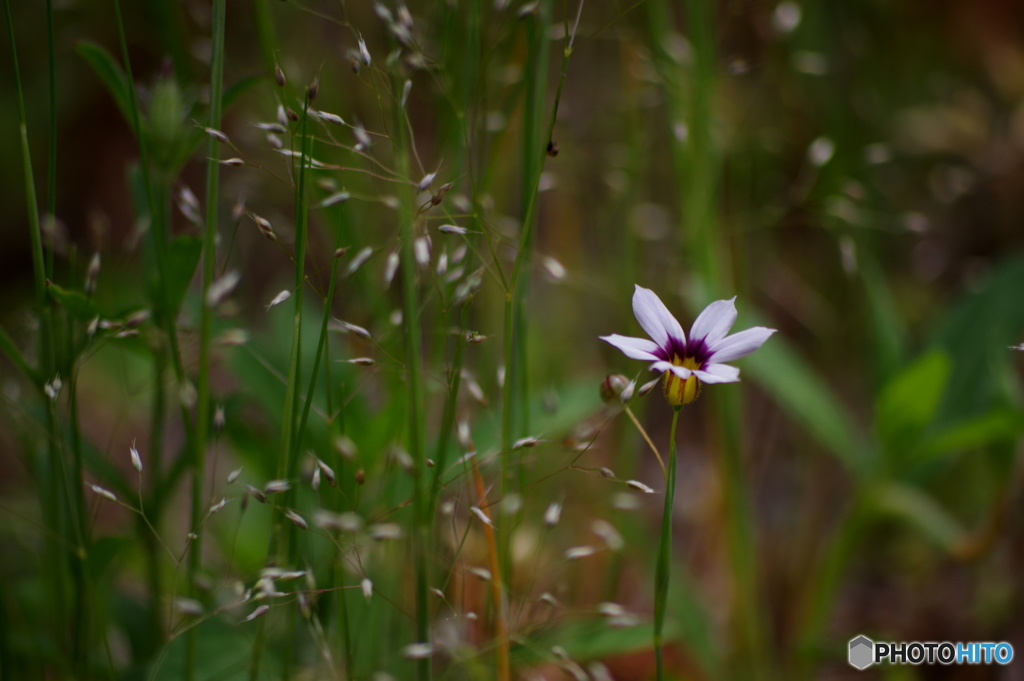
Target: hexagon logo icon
x=862, y=652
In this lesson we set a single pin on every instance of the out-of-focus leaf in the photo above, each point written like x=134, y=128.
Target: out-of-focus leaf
x=908, y=503
x=75, y=302
x=111, y=73
x=223, y=653
x=887, y=326
x=103, y=552
x=784, y=375
x=10, y=349
x=235, y=91
x=976, y=335
x=182, y=260
x=909, y=401
x=996, y=426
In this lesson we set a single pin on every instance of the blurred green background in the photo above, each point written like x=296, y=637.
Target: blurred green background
x=852, y=171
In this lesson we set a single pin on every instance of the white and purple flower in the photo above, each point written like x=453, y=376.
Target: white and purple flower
x=688, y=363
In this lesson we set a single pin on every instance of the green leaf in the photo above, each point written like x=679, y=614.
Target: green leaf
x=75, y=302
x=110, y=72
x=182, y=260
x=233, y=93
x=913, y=505
x=996, y=426
x=784, y=375
x=909, y=401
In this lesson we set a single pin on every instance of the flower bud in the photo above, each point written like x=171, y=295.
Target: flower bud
x=612, y=387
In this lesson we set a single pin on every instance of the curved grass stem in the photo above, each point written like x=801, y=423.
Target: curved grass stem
x=663, y=569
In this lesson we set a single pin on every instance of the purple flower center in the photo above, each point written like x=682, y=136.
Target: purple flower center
x=678, y=351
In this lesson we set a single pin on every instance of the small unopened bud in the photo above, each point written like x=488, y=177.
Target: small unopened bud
x=608, y=473
x=92, y=273
x=279, y=75
x=360, y=477
x=233, y=162
x=218, y=506
x=405, y=98
x=525, y=443
x=218, y=418
x=612, y=387
x=330, y=118
x=292, y=116
x=367, y=586
x=421, y=248
x=313, y=89
x=136, y=459
x=233, y=475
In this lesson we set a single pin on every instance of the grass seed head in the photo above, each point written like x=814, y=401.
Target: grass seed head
x=607, y=532
x=217, y=135
x=386, y=531
x=553, y=514
x=279, y=298
x=92, y=273
x=452, y=229
x=221, y=288
x=298, y=520
x=258, y=612
x=136, y=459
x=218, y=418
x=367, y=586
x=417, y=651
x=277, y=486
x=279, y=76
x=608, y=473
x=578, y=552
x=390, y=267
x=233, y=475
x=483, y=574
x=612, y=388
x=234, y=162
x=313, y=89
x=637, y=485
x=103, y=492
x=256, y=494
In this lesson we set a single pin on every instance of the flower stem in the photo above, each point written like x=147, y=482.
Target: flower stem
x=662, y=571
x=647, y=439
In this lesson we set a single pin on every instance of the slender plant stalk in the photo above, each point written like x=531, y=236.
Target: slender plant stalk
x=450, y=403
x=49, y=497
x=664, y=566
x=51, y=193
x=202, y=428
x=497, y=594
x=413, y=360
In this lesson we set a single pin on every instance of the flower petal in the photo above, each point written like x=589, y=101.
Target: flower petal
x=739, y=344
x=681, y=372
x=634, y=348
x=718, y=373
x=655, y=318
x=714, y=322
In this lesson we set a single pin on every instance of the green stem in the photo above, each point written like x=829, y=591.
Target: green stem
x=664, y=565
x=414, y=360
x=51, y=195
x=202, y=427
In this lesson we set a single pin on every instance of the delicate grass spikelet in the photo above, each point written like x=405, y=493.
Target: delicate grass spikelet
x=417, y=651
x=482, y=516
x=427, y=180
x=607, y=473
x=233, y=337
x=92, y=273
x=577, y=552
x=553, y=514
x=218, y=506
x=264, y=226
x=367, y=587
x=612, y=388
x=328, y=473
x=217, y=135
x=296, y=519
x=336, y=198
x=421, y=248
x=258, y=612
x=452, y=229
x=103, y=492
x=233, y=162
x=188, y=606
x=607, y=532
x=526, y=443
x=279, y=298
x=637, y=485
x=329, y=117
x=386, y=531
x=390, y=267
x=277, y=486
x=357, y=261
x=483, y=574
x=219, y=420
x=364, y=54
x=136, y=459
x=222, y=287
x=52, y=387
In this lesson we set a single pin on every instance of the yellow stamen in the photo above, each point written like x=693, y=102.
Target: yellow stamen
x=677, y=390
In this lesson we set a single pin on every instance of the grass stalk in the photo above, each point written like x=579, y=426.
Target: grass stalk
x=202, y=427
x=663, y=568
x=497, y=594
x=413, y=359
x=450, y=403
x=49, y=498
